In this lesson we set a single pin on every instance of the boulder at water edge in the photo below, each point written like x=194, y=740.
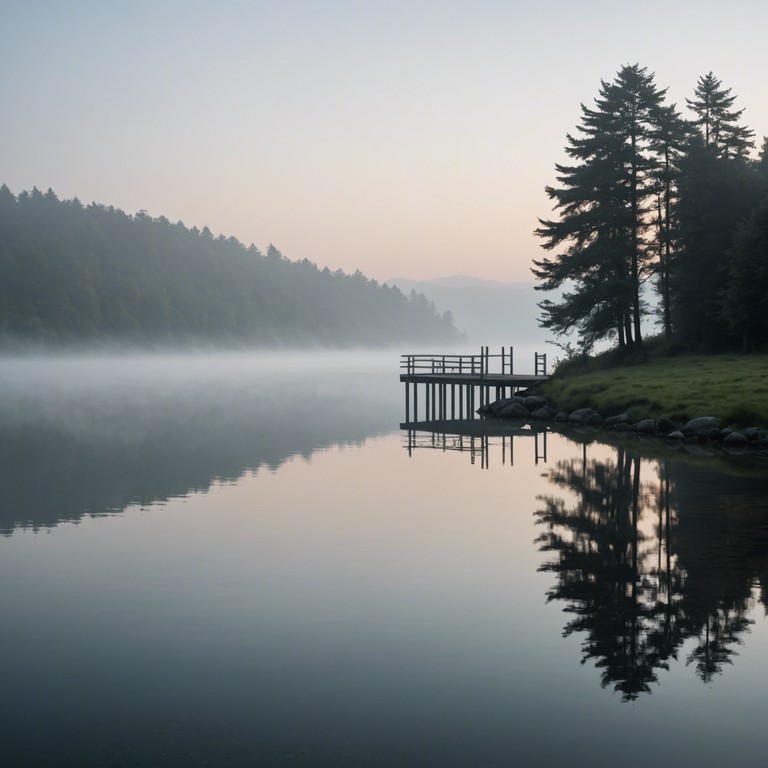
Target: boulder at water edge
x=514, y=411
x=498, y=405
x=622, y=418
x=664, y=426
x=700, y=426
x=580, y=415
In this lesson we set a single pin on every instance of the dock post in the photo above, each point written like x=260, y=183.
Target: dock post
x=443, y=394
x=431, y=406
x=407, y=402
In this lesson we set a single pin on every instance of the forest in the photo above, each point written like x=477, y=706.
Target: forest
x=81, y=274
x=659, y=213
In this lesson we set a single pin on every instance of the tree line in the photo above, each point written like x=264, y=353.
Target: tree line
x=659, y=212
x=74, y=273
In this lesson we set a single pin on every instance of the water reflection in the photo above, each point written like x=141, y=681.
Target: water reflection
x=476, y=438
x=653, y=555
x=93, y=436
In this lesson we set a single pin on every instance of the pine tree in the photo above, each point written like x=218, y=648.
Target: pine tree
x=668, y=136
x=718, y=122
x=745, y=307
x=762, y=166
x=716, y=193
x=603, y=202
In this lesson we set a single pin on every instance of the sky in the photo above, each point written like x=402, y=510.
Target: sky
x=399, y=138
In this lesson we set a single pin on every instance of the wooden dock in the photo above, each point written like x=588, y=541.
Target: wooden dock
x=456, y=385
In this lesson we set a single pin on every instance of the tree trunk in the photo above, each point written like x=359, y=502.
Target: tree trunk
x=635, y=268
x=667, y=298
x=628, y=331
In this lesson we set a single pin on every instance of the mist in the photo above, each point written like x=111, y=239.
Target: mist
x=93, y=434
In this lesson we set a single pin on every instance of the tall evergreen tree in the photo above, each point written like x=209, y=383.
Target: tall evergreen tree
x=668, y=136
x=717, y=120
x=745, y=306
x=603, y=202
x=762, y=167
x=716, y=193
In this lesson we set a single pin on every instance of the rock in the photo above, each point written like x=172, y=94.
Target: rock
x=751, y=433
x=735, y=438
x=484, y=410
x=762, y=438
x=545, y=412
x=664, y=426
x=622, y=418
x=514, y=411
x=676, y=435
x=646, y=426
x=713, y=434
x=497, y=405
x=580, y=415
x=700, y=426
x=724, y=432
x=532, y=402
x=562, y=416
x=622, y=427
x=594, y=420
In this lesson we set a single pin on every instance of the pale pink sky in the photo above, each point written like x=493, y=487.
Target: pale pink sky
x=400, y=138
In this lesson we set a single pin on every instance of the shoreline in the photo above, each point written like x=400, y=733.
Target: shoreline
x=731, y=387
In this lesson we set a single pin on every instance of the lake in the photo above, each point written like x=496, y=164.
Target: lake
x=239, y=560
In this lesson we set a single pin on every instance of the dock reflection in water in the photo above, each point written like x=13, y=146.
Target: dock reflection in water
x=477, y=438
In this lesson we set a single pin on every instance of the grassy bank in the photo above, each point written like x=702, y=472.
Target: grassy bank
x=679, y=387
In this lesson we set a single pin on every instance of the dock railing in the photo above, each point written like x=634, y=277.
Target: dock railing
x=482, y=364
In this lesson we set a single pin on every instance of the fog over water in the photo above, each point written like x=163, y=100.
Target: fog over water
x=105, y=431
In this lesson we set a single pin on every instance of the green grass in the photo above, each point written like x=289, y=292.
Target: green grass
x=679, y=387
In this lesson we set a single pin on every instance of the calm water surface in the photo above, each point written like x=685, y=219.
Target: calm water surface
x=237, y=561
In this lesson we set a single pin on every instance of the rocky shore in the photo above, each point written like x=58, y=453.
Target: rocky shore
x=702, y=429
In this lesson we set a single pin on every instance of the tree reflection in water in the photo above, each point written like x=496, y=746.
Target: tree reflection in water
x=651, y=556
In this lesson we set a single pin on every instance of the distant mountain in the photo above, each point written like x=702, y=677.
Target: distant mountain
x=74, y=274
x=489, y=312
x=458, y=281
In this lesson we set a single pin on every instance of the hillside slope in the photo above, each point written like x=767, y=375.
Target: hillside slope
x=77, y=274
